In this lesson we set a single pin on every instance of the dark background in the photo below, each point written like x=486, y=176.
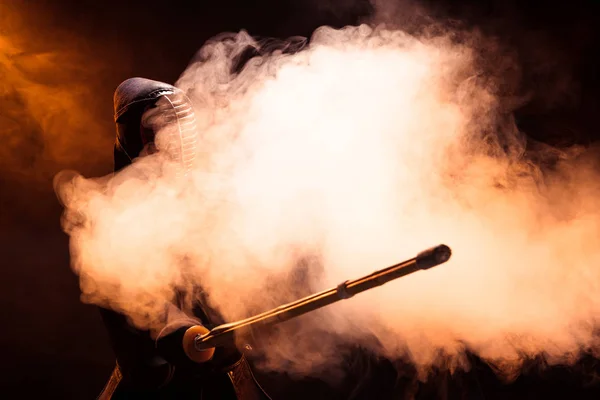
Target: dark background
x=55, y=346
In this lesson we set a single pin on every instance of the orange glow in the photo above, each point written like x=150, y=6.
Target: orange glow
x=47, y=98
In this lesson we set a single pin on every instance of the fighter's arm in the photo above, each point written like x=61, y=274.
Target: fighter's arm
x=140, y=362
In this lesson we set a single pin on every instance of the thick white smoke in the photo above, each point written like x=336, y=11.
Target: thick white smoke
x=359, y=151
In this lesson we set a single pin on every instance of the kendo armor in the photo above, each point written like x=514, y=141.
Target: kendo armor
x=144, y=107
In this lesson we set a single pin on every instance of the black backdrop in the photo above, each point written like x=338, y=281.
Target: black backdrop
x=55, y=346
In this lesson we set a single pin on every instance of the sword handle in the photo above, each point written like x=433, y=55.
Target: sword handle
x=189, y=345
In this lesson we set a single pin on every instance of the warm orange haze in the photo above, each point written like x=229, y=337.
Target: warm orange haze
x=49, y=110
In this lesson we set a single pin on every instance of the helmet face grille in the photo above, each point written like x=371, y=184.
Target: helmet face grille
x=179, y=130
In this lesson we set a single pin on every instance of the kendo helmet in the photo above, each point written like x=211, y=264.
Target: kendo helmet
x=143, y=108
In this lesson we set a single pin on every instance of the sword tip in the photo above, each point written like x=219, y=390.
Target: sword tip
x=433, y=256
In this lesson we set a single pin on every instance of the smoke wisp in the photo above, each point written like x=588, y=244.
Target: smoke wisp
x=362, y=149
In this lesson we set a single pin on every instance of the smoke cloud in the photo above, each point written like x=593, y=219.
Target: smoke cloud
x=362, y=149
